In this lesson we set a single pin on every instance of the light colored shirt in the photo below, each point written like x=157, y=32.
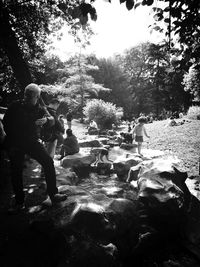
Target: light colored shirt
x=140, y=130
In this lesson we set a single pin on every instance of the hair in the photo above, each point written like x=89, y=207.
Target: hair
x=54, y=101
x=142, y=119
x=32, y=89
x=69, y=132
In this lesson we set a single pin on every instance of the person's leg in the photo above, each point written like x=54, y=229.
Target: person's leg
x=62, y=152
x=37, y=151
x=139, y=147
x=16, y=157
x=51, y=148
x=69, y=124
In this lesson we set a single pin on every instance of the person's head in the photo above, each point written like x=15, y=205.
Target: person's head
x=142, y=120
x=32, y=94
x=69, y=132
x=54, y=103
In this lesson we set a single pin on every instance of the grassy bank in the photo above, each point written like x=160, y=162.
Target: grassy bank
x=182, y=141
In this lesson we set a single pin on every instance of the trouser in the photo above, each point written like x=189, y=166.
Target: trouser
x=51, y=148
x=36, y=151
x=69, y=124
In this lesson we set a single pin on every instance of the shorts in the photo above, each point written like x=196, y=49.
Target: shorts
x=139, y=139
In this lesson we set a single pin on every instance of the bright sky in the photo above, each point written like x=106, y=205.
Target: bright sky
x=116, y=29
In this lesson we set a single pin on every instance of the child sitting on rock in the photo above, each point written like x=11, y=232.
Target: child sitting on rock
x=70, y=145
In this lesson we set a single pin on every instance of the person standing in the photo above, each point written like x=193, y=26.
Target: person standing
x=69, y=119
x=138, y=133
x=22, y=124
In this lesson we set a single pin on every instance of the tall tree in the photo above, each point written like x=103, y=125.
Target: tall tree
x=25, y=26
x=112, y=76
x=80, y=85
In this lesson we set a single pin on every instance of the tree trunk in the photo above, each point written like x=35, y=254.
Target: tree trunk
x=8, y=43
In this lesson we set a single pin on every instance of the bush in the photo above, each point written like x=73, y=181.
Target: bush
x=194, y=113
x=104, y=113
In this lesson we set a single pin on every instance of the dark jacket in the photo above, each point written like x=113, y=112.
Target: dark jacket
x=69, y=116
x=71, y=145
x=51, y=133
x=19, y=123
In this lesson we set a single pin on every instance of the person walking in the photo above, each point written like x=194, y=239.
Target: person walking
x=22, y=124
x=138, y=133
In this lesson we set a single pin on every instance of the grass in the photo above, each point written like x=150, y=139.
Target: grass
x=182, y=141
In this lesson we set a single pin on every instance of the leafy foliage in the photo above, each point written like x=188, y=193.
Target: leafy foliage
x=25, y=26
x=104, y=113
x=112, y=76
x=155, y=83
x=194, y=112
x=192, y=81
x=80, y=85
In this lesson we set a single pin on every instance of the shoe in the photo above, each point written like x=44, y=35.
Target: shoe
x=58, y=198
x=16, y=208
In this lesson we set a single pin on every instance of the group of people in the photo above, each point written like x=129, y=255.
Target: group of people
x=32, y=129
x=29, y=128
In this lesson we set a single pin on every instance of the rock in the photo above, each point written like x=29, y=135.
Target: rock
x=133, y=173
x=90, y=219
x=161, y=190
x=131, y=147
x=78, y=160
x=68, y=178
x=122, y=165
x=90, y=254
x=93, y=131
x=103, y=168
x=112, y=132
x=90, y=143
x=103, y=140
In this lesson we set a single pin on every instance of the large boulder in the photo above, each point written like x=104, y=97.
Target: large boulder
x=163, y=198
x=122, y=165
x=82, y=159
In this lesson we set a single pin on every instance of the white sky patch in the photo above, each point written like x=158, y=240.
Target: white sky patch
x=116, y=29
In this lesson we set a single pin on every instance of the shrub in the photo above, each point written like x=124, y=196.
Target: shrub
x=104, y=113
x=194, y=113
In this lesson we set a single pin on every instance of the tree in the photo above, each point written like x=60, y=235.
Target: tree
x=181, y=18
x=155, y=82
x=111, y=75
x=191, y=81
x=25, y=26
x=79, y=85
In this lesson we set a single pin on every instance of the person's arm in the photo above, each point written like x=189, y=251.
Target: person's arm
x=145, y=132
x=46, y=119
x=134, y=132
